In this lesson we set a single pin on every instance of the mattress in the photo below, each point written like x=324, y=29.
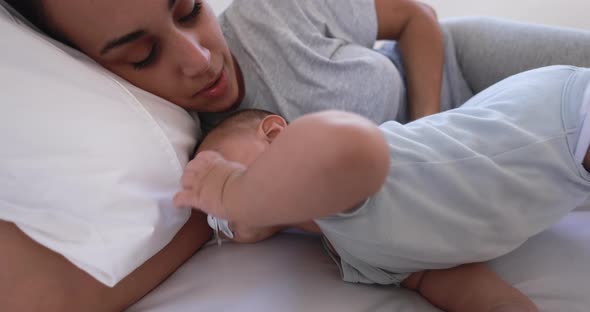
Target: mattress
x=291, y=272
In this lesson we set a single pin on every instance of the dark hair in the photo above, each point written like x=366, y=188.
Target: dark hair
x=33, y=11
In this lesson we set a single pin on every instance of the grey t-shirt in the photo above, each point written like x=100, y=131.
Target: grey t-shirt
x=302, y=56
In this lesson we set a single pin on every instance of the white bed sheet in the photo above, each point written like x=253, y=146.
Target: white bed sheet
x=292, y=273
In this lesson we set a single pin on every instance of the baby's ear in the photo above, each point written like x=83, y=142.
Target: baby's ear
x=271, y=126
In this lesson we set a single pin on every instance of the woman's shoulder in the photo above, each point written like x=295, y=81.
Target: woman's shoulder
x=256, y=5
x=308, y=20
x=315, y=11
x=268, y=10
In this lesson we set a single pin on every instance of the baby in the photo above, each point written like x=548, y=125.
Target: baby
x=499, y=169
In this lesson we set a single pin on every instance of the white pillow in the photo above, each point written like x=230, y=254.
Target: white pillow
x=88, y=163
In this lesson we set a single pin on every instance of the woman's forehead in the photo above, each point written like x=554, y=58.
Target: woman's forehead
x=91, y=24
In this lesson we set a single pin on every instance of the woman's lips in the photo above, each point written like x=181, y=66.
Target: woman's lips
x=215, y=89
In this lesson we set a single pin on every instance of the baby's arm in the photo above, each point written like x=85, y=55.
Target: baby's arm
x=469, y=287
x=321, y=164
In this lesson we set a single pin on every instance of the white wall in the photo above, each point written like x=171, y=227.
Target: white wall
x=569, y=13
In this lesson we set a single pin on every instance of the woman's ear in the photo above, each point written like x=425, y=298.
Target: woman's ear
x=270, y=127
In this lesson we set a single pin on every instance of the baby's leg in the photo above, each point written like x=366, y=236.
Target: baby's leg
x=469, y=287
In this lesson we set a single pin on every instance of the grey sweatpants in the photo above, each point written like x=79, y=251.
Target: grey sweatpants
x=480, y=51
x=491, y=49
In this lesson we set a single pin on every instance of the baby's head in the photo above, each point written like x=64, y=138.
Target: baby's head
x=243, y=135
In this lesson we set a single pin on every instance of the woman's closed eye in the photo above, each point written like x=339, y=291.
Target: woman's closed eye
x=193, y=13
x=148, y=60
x=153, y=53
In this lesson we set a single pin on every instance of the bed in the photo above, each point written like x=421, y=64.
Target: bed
x=290, y=272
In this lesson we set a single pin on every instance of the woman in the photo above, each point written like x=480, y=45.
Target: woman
x=287, y=56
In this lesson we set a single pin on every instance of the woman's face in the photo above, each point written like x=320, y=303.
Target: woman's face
x=172, y=48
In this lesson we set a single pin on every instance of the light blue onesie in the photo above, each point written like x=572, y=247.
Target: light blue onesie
x=303, y=56
x=491, y=173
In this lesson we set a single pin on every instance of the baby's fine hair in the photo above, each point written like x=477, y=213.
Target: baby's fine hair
x=235, y=120
x=241, y=117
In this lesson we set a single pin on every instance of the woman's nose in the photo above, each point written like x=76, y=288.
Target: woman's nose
x=193, y=58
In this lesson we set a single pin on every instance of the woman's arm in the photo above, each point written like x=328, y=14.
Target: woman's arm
x=414, y=25
x=319, y=165
x=34, y=278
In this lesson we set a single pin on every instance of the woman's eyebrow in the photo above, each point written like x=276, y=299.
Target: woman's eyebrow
x=122, y=40
x=129, y=37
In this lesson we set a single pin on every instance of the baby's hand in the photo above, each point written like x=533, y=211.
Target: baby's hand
x=203, y=183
